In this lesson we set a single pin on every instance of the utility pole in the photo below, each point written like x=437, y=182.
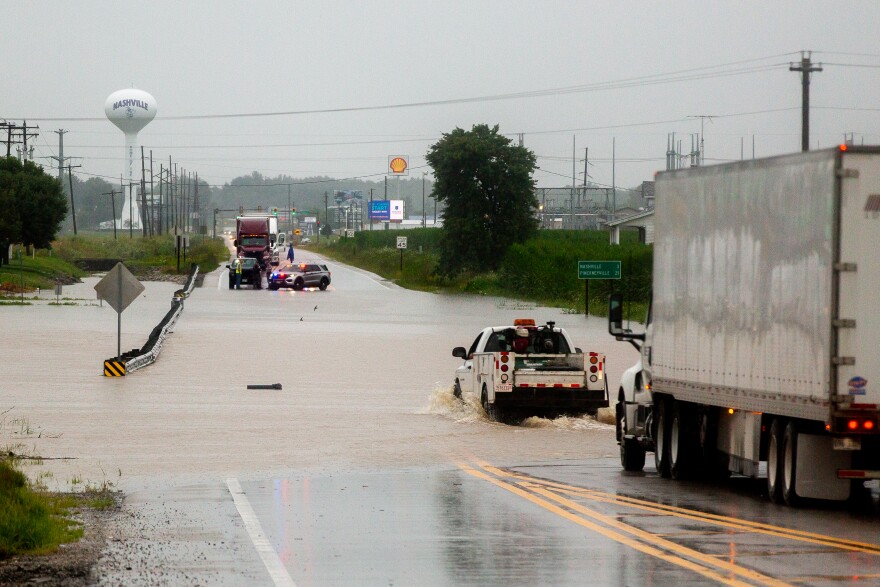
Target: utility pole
x=112, y=194
x=327, y=214
x=182, y=193
x=190, y=202
x=424, y=213
x=573, y=184
x=60, y=158
x=144, y=212
x=806, y=67
x=172, y=211
x=153, y=219
x=586, y=158
x=197, y=214
x=187, y=186
x=371, y=209
x=161, y=201
x=614, y=178
x=72, y=205
x=9, y=126
x=24, y=137
x=130, y=211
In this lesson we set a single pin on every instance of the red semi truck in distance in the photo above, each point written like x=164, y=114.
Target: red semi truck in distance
x=252, y=240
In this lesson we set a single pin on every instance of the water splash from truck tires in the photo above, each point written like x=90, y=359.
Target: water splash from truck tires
x=443, y=402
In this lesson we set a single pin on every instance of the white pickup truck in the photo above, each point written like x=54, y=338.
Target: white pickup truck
x=525, y=370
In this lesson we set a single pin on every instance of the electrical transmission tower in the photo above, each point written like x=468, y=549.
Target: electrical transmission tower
x=21, y=131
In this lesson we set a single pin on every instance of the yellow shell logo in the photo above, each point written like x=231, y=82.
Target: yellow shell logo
x=398, y=165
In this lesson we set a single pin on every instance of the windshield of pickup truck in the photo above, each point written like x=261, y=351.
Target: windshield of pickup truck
x=539, y=341
x=254, y=241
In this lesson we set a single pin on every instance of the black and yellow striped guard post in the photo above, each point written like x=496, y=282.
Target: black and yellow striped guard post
x=114, y=368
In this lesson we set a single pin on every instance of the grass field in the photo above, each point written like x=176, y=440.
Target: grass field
x=43, y=268
x=542, y=270
x=31, y=521
x=142, y=253
x=40, y=270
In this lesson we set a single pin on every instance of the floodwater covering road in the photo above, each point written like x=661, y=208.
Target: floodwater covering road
x=364, y=469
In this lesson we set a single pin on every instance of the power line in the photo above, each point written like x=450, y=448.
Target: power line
x=866, y=65
x=352, y=143
x=848, y=54
x=594, y=183
x=271, y=145
x=693, y=74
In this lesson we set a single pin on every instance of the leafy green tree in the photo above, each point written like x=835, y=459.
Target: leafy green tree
x=92, y=206
x=32, y=205
x=487, y=186
x=10, y=224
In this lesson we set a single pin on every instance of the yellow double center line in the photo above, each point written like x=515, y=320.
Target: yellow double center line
x=550, y=496
x=706, y=518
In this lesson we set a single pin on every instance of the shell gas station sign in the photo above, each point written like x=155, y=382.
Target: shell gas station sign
x=398, y=164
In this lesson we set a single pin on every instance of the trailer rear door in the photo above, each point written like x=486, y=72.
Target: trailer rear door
x=859, y=279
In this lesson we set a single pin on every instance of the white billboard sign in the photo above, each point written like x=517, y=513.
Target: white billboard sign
x=396, y=210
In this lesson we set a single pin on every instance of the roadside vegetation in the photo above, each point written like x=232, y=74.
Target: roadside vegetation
x=141, y=254
x=43, y=268
x=33, y=521
x=40, y=269
x=543, y=269
x=33, y=208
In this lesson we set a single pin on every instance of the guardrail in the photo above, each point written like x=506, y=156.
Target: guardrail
x=146, y=355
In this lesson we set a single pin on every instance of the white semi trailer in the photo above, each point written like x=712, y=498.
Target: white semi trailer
x=762, y=341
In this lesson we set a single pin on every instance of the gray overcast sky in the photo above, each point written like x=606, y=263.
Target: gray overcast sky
x=62, y=59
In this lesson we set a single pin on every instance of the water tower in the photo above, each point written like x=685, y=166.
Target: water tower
x=130, y=110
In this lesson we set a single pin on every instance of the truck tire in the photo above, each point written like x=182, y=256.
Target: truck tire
x=632, y=455
x=683, y=439
x=492, y=411
x=774, y=460
x=324, y=283
x=299, y=284
x=456, y=389
x=231, y=284
x=712, y=464
x=661, y=437
x=789, y=465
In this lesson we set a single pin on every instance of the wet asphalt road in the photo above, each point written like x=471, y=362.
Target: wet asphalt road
x=364, y=469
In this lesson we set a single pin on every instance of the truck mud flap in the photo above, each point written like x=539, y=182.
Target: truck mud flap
x=817, y=465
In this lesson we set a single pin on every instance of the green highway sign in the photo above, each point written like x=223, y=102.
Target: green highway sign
x=598, y=269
